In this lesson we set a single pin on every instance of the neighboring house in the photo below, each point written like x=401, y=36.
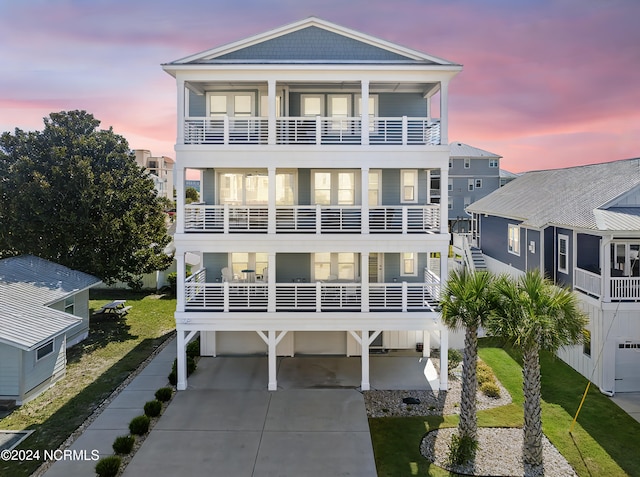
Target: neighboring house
x=506, y=177
x=581, y=226
x=317, y=230
x=160, y=169
x=45, y=309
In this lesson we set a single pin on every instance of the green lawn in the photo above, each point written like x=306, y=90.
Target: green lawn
x=95, y=367
x=603, y=442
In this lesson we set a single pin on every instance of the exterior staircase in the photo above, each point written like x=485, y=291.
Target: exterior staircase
x=478, y=259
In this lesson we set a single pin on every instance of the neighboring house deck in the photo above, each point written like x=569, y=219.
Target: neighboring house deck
x=44, y=311
x=581, y=226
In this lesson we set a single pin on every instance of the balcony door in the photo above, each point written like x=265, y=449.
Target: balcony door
x=252, y=188
x=239, y=104
x=334, y=187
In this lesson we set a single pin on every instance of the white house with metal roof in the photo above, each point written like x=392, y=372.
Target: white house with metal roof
x=318, y=230
x=44, y=309
x=581, y=226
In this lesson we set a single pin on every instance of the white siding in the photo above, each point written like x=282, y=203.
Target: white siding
x=320, y=342
x=9, y=371
x=50, y=368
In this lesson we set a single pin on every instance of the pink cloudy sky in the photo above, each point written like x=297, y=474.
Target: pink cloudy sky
x=546, y=83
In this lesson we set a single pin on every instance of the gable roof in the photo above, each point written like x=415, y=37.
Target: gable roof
x=460, y=149
x=28, y=285
x=312, y=40
x=589, y=197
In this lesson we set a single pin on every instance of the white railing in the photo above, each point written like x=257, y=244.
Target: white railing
x=432, y=281
x=587, y=282
x=225, y=218
x=625, y=288
x=311, y=130
x=226, y=130
x=312, y=218
x=329, y=296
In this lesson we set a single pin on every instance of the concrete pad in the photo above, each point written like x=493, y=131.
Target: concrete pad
x=112, y=418
x=628, y=402
x=129, y=399
x=216, y=411
x=311, y=372
x=196, y=453
x=315, y=454
x=65, y=468
x=230, y=373
x=400, y=372
x=317, y=410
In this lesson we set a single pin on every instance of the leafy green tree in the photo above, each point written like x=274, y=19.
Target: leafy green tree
x=73, y=193
x=467, y=303
x=191, y=194
x=533, y=314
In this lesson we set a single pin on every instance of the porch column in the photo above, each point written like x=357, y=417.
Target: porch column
x=364, y=194
x=444, y=357
x=444, y=113
x=181, y=110
x=605, y=270
x=271, y=282
x=444, y=269
x=273, y=382
x=180, y=279
x=364, y=112
x=180, y=202
x=181, y=354
x=364, y=282
x=271, y=100
x=426, y=343
x=444, y=200
x=271, y=204
x=428, y=172
x=365, y=385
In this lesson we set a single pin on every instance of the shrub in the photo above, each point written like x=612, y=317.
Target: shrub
x=484, y=373
x=108, y=466
x=461, y=450
x=139, y=425
x=455, y=358
x=490, y=389
x=153, y=408
x=164, y=394
x=173, y=377
x=193, y=348
x=191, y=367
x=172, y=278
x=123, y=444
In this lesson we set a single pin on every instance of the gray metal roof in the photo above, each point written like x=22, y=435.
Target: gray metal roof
x=27, y=285
x=460, y=149
x=579, y=197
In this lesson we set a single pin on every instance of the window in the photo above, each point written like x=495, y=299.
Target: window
x=563, y=257
x=467, y=163
x=238, y=104
x=334, y=187
x=450, y=163
x=408, y=265
x=450, y=184
x=69, y=304
x=334, y=266
x=450, y=203
x=470, y=184
x=409, y=185
x=514, y=239
x=374, y=187
x=312, y=105
x=478, y=184
x=493, y=163
x=242, y=188
x=340, y=109
x=247, y=261
x=373, y=109
x=44, y=350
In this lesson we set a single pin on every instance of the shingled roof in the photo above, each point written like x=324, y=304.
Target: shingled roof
x=28, y=285
x=599, y=197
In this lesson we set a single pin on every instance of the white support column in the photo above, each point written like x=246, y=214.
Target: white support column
x=428, y=172
x=364, y=111
x=271, y=204
x=444, y=267
x=444, y=200
x=271, y=282
x=271, y=101
x=364, y=194
x=180, y=279
x=181, y=111
x=181, y=354
x=444, y=357
x=426, y=343
x=365, y=385
x=273, y=382
x=364, y=281
x=180, y=202
x=444, y=113
x=605, y=265
x=429, y=108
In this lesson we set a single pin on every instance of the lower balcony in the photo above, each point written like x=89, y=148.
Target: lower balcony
x=312, y=219
x=617, y=288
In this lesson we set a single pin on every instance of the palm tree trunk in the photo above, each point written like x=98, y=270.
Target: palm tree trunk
x=468, y=425
x=532, y=409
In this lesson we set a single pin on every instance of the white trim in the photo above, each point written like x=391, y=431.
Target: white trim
x=565, y=238
x=414, y=185
x=51, y=343
x=510, y=247
x=414, y=259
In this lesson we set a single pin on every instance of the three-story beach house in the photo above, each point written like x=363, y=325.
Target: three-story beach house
x=317, y=231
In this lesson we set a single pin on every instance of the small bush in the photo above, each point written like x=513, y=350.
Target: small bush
x=484, y=373
x=153, y=408
x=172, y=278
x=108, y=466
x=193, y=348
x=461, y=450
x=164, y=394
x=139, y=425
x=123, y=444
x=173, y=377
x=490, y=389
x=191, y=365
x=455, y=358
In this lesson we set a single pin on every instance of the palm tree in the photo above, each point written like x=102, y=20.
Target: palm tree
x=533, y=314
x=467, y=303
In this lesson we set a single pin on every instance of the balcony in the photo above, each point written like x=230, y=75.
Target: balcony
x=316, y=297
x=316, y=219
x=620, y=288
x=311, y=131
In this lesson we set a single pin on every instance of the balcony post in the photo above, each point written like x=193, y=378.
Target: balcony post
x=225, y=296
x=318, y=297
x=364, y=356
x=271, y=210
x=405, y=295
x=181, y=110
x=364, y=282
x=364, y=208
x=272, y=343
x=226, y=130
x=225, y=219
x=318, y=219
x=180, y=202
x=318, y=130
x=405, y=219
x=364, y=113
x=444, y=200
x=605, y=271
x=181, y=358
x=271, y=124
x=444, y=357
x=444, y=114
x=180, y=281
x=271, y=282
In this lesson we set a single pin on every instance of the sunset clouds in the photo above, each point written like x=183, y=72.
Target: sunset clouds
x=545, y=83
